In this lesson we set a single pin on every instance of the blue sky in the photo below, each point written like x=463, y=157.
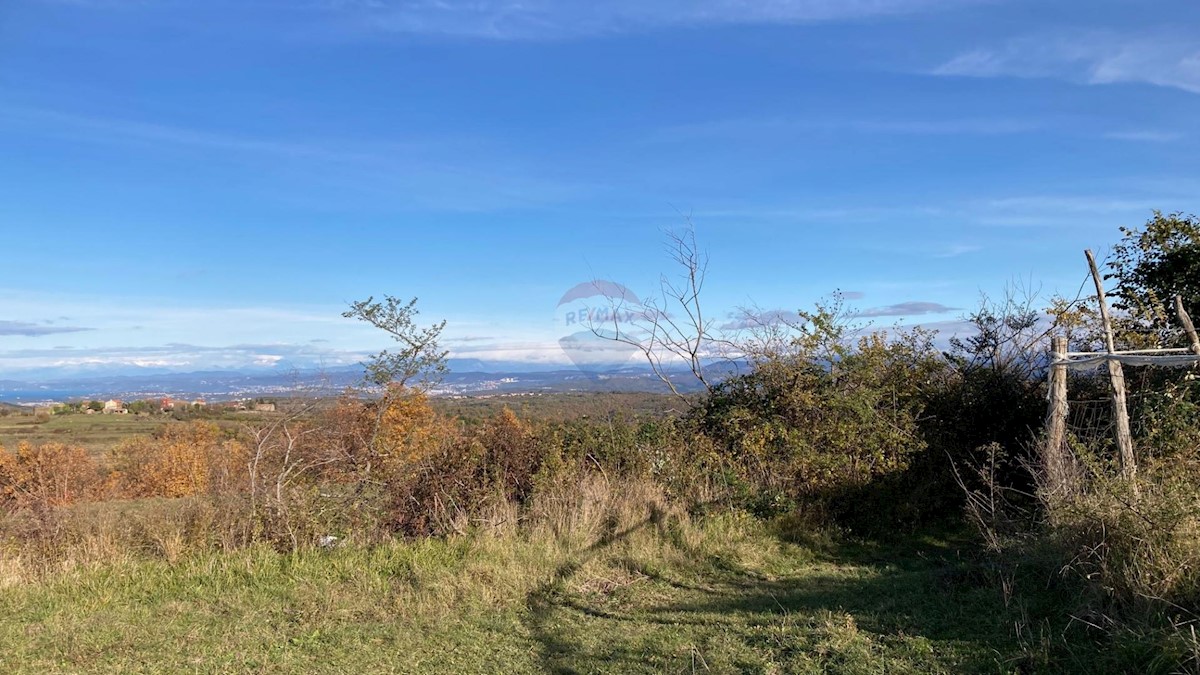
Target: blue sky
x=190, y=184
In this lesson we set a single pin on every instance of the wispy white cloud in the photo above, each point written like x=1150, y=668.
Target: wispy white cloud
x=177, y=357
x=469, y=338
x=776, y=128
x=1066, y=203
x=377, y=152
x=849, y=214
x=750, y=319
x=114, y=321
x=29, y=329
x=949, y=127
x=1089, y=58
x=1123, y=201
x=460, y=174
x=955, y=250
x=109, y=130
x=548, y=352
x=558, y=19
x=137, y=334
x=1144, y=136
x=1069, y=210
x=103, y=4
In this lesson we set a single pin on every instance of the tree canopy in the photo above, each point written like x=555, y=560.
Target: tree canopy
x=1152, y=265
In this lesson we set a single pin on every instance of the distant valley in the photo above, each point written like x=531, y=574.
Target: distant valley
x=467, y=377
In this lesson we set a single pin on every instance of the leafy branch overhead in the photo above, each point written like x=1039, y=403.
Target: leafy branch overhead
x=418, y=359
x=1152, y=265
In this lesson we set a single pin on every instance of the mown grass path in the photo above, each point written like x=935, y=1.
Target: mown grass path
x=717, y=600
x=916, y=608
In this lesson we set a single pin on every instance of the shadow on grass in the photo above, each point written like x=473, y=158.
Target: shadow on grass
x=545, y=601
x=889, y=598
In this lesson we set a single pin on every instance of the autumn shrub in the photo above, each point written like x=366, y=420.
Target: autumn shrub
x=1169, y=419
x=332, y=471
x=508, y=470
x=1139, y=540
x=408, y=431
x=179, y=460
x=479, y=471
x=1121, y=559
x=38, y=485
x=45, y=476
x=590, y=508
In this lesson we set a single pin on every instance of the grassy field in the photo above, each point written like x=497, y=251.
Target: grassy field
x=725, y=597
x=94, y=432
x=97, y=433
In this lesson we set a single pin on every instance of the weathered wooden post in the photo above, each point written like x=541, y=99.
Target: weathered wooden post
x=1187, y=324
x=1116, y=377
x=1056, y=461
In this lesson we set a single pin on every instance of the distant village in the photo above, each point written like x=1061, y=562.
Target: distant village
x=161, y=406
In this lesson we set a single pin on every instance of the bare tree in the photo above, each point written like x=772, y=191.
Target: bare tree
x=672, y=329
x=280, y=455
x=1011, y=334
x=284, y=447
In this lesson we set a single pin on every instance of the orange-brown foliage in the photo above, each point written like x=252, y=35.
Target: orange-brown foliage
x=46, y=475
x=512, y=453
x=410, y=430
x=468, y=474
x=387, y=439
x=179, y=461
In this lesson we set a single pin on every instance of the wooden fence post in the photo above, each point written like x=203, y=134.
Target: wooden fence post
x=1056, y=463
x=1116, y=376
x=1187, y=325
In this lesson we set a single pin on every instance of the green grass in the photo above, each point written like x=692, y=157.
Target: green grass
x=98, y=433
x=722, y=597
x=94, y=432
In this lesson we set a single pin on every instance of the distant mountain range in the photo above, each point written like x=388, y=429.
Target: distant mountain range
x=466, y=377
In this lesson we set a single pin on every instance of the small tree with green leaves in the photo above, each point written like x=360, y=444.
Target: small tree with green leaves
x=418, y=361
x=1152, y=265
x=393, y=429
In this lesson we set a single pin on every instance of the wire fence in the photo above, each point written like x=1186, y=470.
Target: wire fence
x=1091, y=419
